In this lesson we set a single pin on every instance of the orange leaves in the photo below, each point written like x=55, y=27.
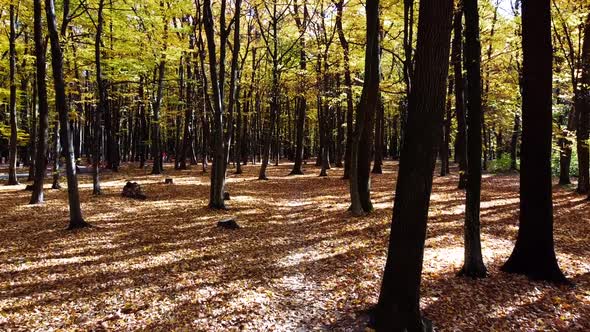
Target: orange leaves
x=299, y=262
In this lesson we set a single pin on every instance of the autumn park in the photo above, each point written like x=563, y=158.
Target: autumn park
x=295, y=165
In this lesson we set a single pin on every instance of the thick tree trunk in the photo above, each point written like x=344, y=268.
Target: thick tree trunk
x=76, y=219
x=398, y=308
x=473, y=265
x=43, y=133
x=534, y=253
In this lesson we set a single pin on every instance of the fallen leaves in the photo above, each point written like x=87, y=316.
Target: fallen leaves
x=300, y=262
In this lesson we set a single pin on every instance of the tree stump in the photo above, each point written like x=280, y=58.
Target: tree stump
x=228, y=224
x=169, y=181
x=133, y=190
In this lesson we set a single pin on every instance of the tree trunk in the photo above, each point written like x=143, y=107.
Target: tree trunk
x=473, y=265
x=12, y=177
x=363, y=136
x=398, y=308
x=41, y=156
x=461, y=147
x=348, y=89
x=446, y=136
x=76, y=219
x=103, y=102
x=300, y=100
x=514, y=142
x=379, y=127
x=218, y=169
x=583, y=107
x=534, y=253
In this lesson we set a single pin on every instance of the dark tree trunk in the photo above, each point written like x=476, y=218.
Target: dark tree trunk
x=300, y=100
x=514, y=142
x=446, y=136
x=360, y=189
x=379, y=127
x=218, y=169
x=12, y=178
x=41, y=156
x=534, y=253
x=103, y=102
x=76, y=219
x=348, y=89
x=473, y=265
x=398, y=308
x=583, y=107
x=143, y=146
x=461, y=140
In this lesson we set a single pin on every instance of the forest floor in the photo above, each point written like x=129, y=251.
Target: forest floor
x=300, y=261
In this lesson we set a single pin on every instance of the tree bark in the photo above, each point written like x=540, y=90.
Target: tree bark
x=43, y=132
x=12, y=177
x=398, y=308
x=360, y=189
x=583, y=106
x=76, y=219
x=461, y=146
x=534, y=253
x=473, y=265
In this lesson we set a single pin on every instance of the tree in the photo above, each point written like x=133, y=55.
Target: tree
x=582, y=104
x=300, y=100
x=360, y=178
x=398, y=308
x=76, y=219
x=41, y=161
x=347, y=86
x=158, y=165
x=218, y=168
x=461, y=141
x=473, y=265
x=103, y=102
x=12, y=178
x=534, y=253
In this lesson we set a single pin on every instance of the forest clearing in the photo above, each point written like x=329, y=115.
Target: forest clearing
x=299, y=262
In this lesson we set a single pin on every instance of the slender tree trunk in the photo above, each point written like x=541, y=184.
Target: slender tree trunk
x=446, y=136
x=534, y=253
x=379, y=125
x=583, y=107
x=76, y=219
x=514, y=142
x=218, y=168
x=348, y=88
x=360, y=189
x=102, y=102
x=398, y=308
x=12, y=177
x=41, y=155
x=473, y=265
x=300, y=100
x=461, y=147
